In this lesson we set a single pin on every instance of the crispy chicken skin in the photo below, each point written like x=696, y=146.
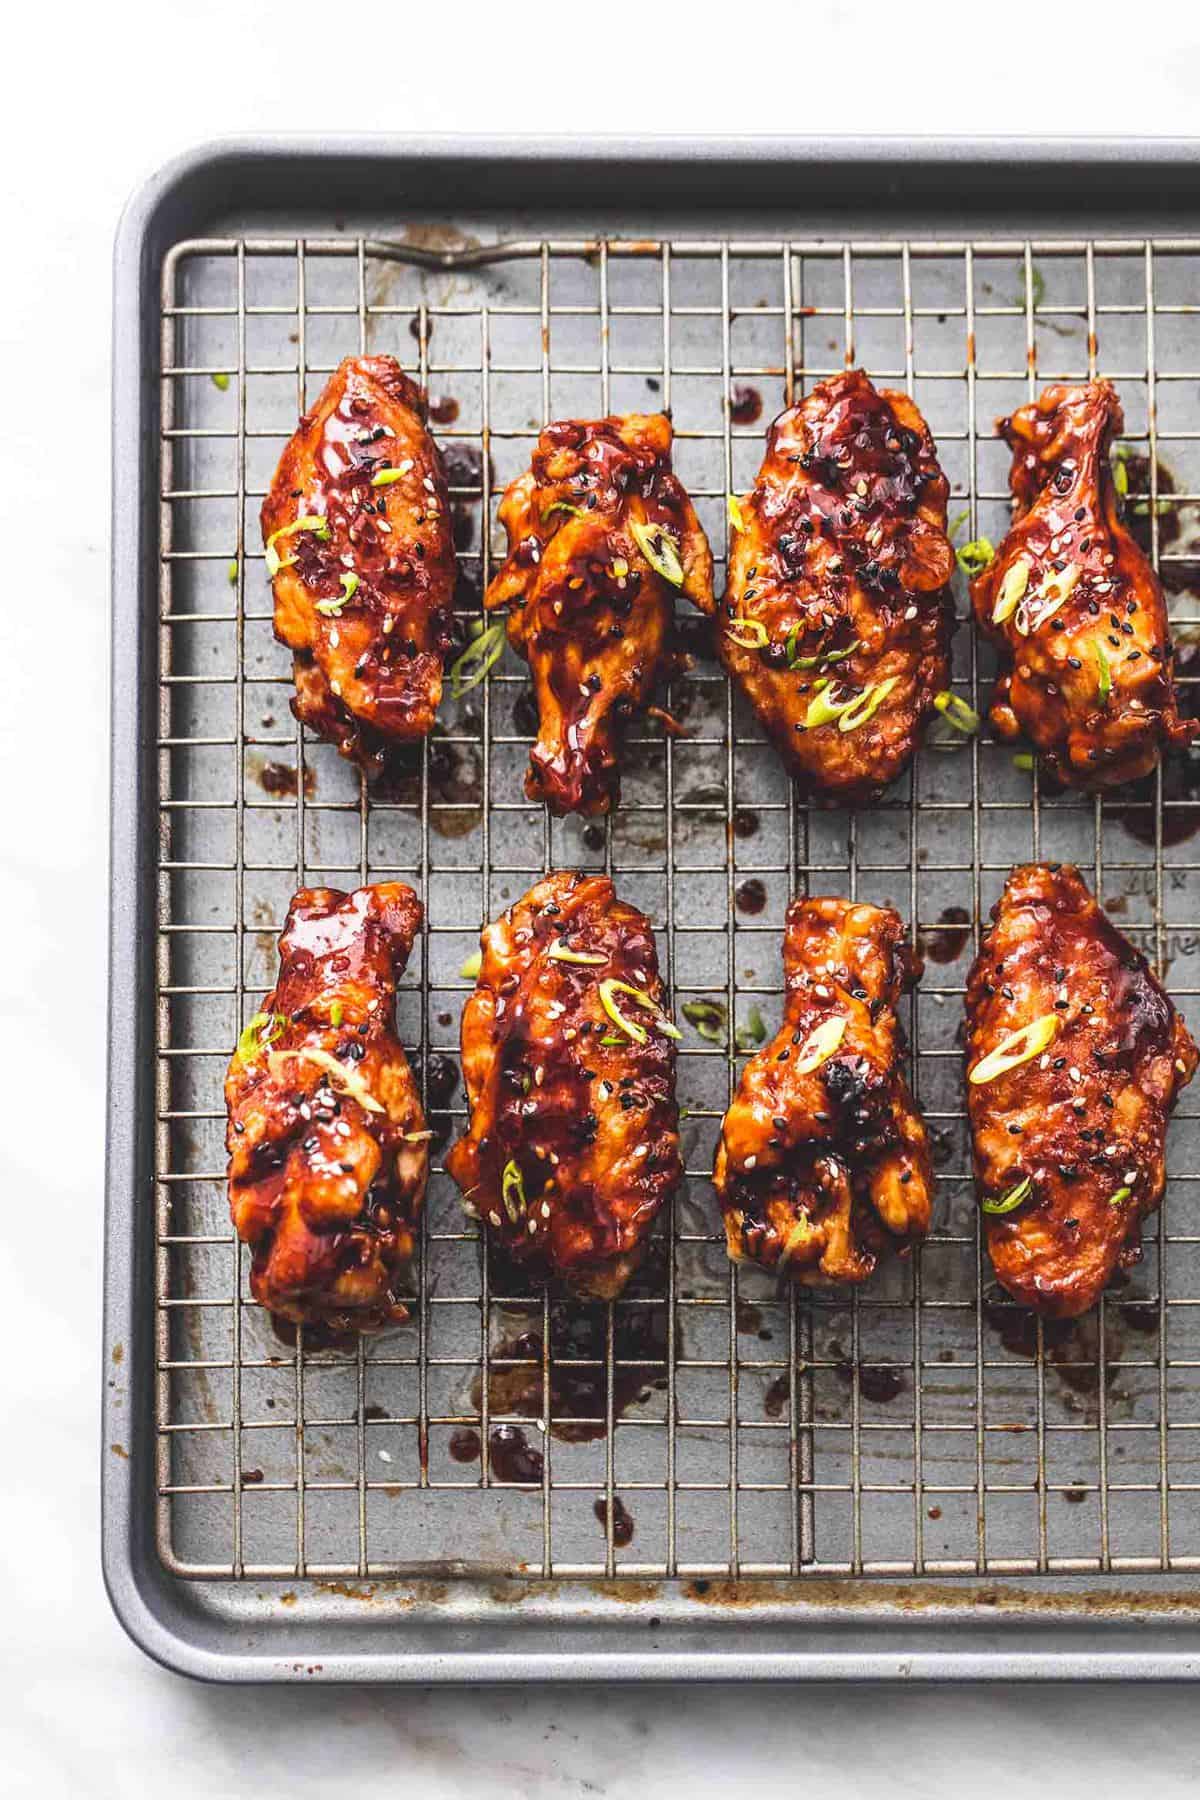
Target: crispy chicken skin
x=823, y=1163
x=837, y=586
x=364, y=598
x=580, y=1114
x=327, y=1143
x=1074, y=605
x=1083, y=1121
x=587, y=608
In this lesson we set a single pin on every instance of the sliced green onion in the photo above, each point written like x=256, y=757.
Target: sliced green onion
x=1012, y=591
x=752, y=1033
x=631, y=1028
x=1120, y=472
x=823, y=711
x=867, y=704
x=735, y=513
x=469, y=669
x=1023, y=760
x=335, y=1013
x=416, y=1137
x=385, y=477
x=262, y=1030
x=233, y=572
x=957, y=522
x=821, y=659
x=660, y=550
x=471, y=968
x=956, y=712
x=709, y=1018
x=512, y=1192
x=975, y=557
x=819, y=1046
x=559, y=952
x=1059, y=587
x=1017, y=1048
x=1104, y=685
x=563, y=506
x=747, y=634
x=344, y=1076
x=1119, y=1198
x=332, y=609
x=220, y=380
x=1009, y=1202
x=611, y=1039
x=306, y=522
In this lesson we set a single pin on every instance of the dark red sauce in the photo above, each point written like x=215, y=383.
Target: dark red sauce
x=465, y=1444
x=443, y=410
x=946, y=945
x=745, y=405
x=513, y=1457
x=750, y=896
x=622, y=1524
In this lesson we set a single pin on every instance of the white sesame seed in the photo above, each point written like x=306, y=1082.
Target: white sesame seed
x=494, y=1219
x=910, y=612
x=385, y=1456
x=1074, y=1074
x=334, y=638
x=750, y=1162
x=545, y=1209
x=1131, y=1175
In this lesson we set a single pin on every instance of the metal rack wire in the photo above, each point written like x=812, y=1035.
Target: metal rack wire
x=921, y=1426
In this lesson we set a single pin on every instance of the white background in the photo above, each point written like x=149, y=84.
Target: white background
x=94, y=99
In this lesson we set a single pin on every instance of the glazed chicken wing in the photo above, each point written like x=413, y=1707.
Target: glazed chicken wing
x=1073, y=604
x=1074, y=1058
x=823, y=1163
x=601, y=536
x=569, y=1064
x=836, y=619
x=358, y=534
x=327, y=1143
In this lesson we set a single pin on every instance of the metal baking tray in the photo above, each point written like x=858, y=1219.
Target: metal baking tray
x=710, y=1477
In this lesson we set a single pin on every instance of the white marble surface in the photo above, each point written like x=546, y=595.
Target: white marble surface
x=96, y=97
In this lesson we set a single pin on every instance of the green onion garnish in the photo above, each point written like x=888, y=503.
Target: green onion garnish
x=335, y=1013
x=332, y=609
x=708, y=1017
x=956, y=524
x=512, y=1192
x=471, y=968
x=563, y=506
x=752, y=1033
x=1120, y=472
x=469, y=669
x=956, y=712
x=385, y=477
x=1011, y=1200
x=1017, y=1048
x=560, y=952
x=660, y=550
x=974, y=557
x=747, y=634
x=867, y=704
x=1023, y=760
x=262, y=1030
x=1012, y=591
x=232, y=572
x=1119, y=1198
x=306, y=522
x=1104, y=685
x=819, y=1046
x=220, y=380
x=735, y=513
x=608, y=989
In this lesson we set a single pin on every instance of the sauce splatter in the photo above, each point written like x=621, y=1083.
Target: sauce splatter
x=281, y=780
x=750, y=896
x=622, y=1524
x=443, y=410
x=946, y=945
x=745, y=405
x=513, y=1457
x=465, y=1445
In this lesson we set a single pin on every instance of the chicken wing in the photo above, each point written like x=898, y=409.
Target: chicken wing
x=601, y=536
x=1073, y=604
x=328, y=1150
x=823, y=1163
x=836, y=620
x=569, y=1064
x=1074, y=1058
x=357, y=528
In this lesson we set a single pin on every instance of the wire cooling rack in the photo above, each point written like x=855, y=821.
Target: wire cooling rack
x=705, y=1424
